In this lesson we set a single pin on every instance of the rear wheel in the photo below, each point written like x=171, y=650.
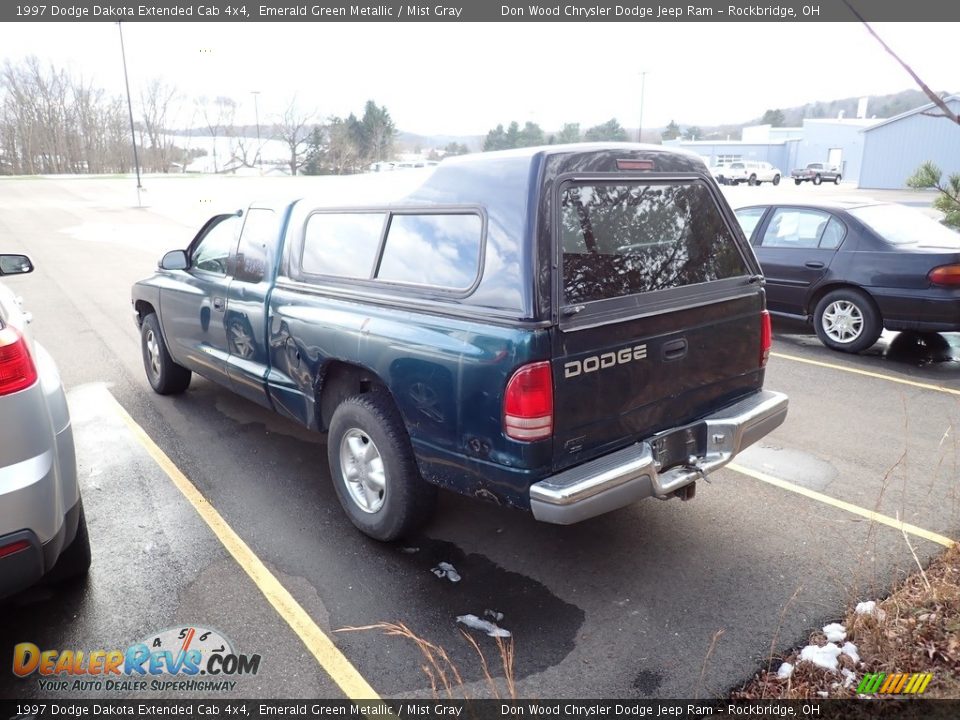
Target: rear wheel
x=797, y=181
x=776, y=180
x=374, y=472
x=74, y=561
x=752, y=180
x=836, y=180
x=847, y=320
x=165, y=376
x=817, y=179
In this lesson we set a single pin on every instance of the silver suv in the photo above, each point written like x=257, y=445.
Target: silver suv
x=43, y=533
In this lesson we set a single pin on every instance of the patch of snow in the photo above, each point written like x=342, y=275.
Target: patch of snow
x=446, y=570
x=823, y=693
x=785, y=671
x=835, y=632
x=493, y=615
x=825, y=657
x=491, y=629
x=850, y=650
x=849, y=677
x=866, y=608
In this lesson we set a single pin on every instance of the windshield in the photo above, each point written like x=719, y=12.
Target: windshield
x=901, y=225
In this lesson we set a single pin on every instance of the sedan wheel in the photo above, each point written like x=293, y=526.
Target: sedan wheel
x=847, y=320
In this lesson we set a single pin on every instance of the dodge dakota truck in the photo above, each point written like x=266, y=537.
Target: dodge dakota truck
x=565, y=330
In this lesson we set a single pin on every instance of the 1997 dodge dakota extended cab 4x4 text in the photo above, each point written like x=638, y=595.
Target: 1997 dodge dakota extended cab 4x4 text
x=564, y=330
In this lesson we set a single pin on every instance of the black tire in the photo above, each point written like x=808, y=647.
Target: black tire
x=776, y=179
x=405, y=500
x=817, y=179
x=752, y=180
x=797, y=181
x=847, y=304
x=836, y=180
x=74, y=560
x=163, y=374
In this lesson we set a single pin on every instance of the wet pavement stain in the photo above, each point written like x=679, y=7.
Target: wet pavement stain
x=647, y=682
x=543, y=626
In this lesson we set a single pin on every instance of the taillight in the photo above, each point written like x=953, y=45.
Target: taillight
x=16, y=366
x=528, y=403
x=766, y=337
x=948, y=275
x=13, y=547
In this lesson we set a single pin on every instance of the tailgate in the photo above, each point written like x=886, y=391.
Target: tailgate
x=660, y=315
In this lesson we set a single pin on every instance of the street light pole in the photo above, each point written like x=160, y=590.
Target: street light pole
x=643, y=87
x=256, y=112
x=133, y=132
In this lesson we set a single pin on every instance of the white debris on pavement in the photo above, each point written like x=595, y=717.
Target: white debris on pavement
x=409, y=550
x=493, y=615
x=491, y=629
x=835, y=632
x=446, y=570
x=866, y=608
x=785, y=671
x=825, y=657
x=850, y=650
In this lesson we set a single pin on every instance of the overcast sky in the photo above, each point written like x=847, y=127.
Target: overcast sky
x=464, y=78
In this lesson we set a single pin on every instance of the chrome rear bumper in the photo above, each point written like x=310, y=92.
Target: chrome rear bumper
x=631, y=474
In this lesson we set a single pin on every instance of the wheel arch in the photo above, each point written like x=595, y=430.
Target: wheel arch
x=338, y=380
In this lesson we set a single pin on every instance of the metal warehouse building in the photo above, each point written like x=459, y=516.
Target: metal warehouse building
x=872, y=153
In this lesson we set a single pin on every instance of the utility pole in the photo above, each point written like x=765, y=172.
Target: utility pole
x=256, y=112
x=133, y=132
x=643, y=87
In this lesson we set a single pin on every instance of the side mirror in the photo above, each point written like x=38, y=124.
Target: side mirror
x=174, y=260
x=15, y=265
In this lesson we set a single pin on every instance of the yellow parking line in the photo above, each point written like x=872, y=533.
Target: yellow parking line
x=843, y=505
x=337, y=666
x=880, y=376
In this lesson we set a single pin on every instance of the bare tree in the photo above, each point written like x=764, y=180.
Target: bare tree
x=945, y=111
x=217, y=117
x=158, y=103
x=294, y=128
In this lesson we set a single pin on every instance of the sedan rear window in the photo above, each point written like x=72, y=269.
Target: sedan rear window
x=901, y=225
x=626, y=239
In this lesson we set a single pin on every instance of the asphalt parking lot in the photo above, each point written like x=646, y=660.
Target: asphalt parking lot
x=207, y=511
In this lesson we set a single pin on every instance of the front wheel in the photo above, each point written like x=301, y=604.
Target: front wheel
x=847, y=320
x=776, y=180
x=752, y=180
x=797, y=181
x=373, y=469
x=165, y=376
x=836, y=180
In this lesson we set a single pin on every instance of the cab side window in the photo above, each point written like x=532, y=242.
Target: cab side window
x=211, y=254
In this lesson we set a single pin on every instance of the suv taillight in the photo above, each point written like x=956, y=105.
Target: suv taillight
x=528, y=403
x=766, y=337
x=16, y=366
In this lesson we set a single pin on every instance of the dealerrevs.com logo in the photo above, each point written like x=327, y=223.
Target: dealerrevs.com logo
x=179, y=659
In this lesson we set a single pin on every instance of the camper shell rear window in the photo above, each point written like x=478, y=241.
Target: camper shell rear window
x=625, y=238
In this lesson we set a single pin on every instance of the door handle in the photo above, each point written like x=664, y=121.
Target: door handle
x=814, y=264
x=675, y=349
x=218, y=304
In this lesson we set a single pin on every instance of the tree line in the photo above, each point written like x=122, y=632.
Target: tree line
x=53, y=122
x=531, y=135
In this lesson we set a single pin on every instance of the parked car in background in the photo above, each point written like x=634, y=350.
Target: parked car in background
x=816, y=173
x=855, y=269
x=752, y=173
x=589, y=330
x=43, y=532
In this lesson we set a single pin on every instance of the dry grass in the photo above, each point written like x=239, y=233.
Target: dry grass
x=918, y=630
x=445, y=678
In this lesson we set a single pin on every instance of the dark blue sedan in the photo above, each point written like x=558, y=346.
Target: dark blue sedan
x=855, y=269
